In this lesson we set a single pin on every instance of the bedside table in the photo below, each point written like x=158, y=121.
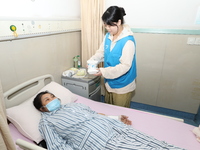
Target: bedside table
x=88, y=86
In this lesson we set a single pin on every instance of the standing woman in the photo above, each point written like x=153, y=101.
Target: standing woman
x=119, y=55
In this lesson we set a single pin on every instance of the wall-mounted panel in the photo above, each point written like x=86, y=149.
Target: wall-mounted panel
x=24, y=29
x=180, y=79
x=150, y=55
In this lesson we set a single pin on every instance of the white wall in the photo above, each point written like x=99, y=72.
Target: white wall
x=39, y=9
x=177, y=14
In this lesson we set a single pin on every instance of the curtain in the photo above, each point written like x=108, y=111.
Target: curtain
x=6, y=142
x=92, y=30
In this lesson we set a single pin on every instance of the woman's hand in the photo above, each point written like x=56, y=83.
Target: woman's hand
x=98, y=73
x=125, y=120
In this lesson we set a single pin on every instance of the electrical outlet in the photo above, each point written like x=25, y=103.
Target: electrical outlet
x=191, y=40
x=197, y=41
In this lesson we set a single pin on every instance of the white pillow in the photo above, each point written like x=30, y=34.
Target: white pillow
x=26, y=117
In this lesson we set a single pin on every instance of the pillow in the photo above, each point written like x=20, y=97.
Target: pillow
x=26, y=117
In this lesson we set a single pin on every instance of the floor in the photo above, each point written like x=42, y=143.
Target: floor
x=192, y=119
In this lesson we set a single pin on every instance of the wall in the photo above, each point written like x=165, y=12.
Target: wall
x=168, y=71
x=39, y=9
x=177, y=14
x=48, y=37
x=23, y=59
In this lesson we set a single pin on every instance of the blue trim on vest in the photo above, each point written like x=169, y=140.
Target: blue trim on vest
x=111, y=59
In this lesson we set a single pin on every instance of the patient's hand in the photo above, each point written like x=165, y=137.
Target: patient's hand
x=101, y=114
x=125, y=120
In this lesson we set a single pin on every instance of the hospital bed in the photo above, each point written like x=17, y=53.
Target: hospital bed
x=24, y=118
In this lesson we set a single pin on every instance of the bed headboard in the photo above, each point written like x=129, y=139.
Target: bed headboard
x=25, y=90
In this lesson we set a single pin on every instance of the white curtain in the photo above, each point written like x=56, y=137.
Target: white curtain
x=6, y=142
x=92, y=29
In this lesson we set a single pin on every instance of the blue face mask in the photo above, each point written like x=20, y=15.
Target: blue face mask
x=53, y=105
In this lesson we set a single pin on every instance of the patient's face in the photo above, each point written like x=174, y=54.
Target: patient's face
x=45, y=99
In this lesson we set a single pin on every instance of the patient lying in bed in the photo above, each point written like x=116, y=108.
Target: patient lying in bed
x=76, y=126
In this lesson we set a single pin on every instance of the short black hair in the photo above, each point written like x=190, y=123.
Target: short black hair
x=37, y=100
x=113, y=14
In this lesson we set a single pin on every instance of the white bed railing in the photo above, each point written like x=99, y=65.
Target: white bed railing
x=28, y=146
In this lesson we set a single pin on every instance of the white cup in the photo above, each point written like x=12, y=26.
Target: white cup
x=92, y=66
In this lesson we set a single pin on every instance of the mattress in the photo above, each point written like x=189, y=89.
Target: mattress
x=161, y=128
x=17, y=135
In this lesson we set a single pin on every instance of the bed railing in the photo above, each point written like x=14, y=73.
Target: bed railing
x=28, y=146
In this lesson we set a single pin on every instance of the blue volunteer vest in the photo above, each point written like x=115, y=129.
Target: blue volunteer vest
x=111, y=59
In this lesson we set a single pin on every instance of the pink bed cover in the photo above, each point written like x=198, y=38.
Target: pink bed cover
x=162, y=128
